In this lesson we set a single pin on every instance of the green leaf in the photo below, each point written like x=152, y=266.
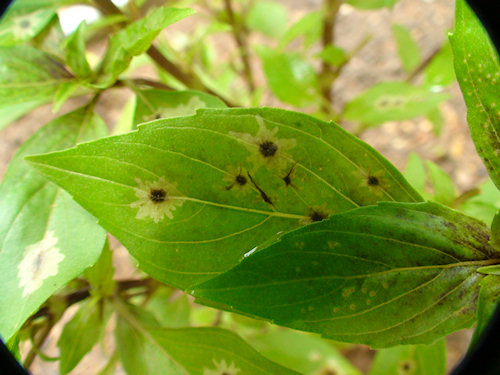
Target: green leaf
x=155, y=104
x=23, y=27
x=495, y=231
x=29, y=74
x=228, y=197
x=484, y=205
x=75, y=53
x=270, y=18
x=436, y=118
x=489, y=297
x=444, y=189
x=291, y=78
x=64, y=92
x=478, y=71
x=28, y=6
x=136, y=39
x=372, y=4
x=170, y=312
x=391, y=101
x=415, y=173
x=332, y=55
x=100, y=275
x=196, y=351
x=81, y=333
x=46, y=239
x=392, y=274
x=13, y=112
x=309, y=26
x=411, y=360
x=302, y=352
x=440, y=72
x=408, y=50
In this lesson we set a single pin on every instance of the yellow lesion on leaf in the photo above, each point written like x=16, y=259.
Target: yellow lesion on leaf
x=266, y=148
x=156, y=199
x=222, y=368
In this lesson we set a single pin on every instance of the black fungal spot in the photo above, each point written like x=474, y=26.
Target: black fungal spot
x=372, y=181
x=288, y=178
x=157, y=116
x=263, y=195
x=268, y=149
x=157, y=195
x=406, y=367
x=317, y=215
x=241, y=180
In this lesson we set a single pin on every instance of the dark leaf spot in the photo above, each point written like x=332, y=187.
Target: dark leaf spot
x=268, y=149
x=157, y=195
x=241, y=180
x=373, y=181
x=317, y=215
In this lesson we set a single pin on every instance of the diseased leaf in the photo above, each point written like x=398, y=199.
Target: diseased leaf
x=75, y=53
x=290, y=78
x=46, y=239
x=372, y=4
x=18, y=28
x=478, y=71
x=408, y=50
x=392, y=274
x=29, y=73
x=489, y=298
x=411, y=360
x=391, y=101
x=188, y=196
x=81, y=333
x=136, y=39
x=270, y=18
x=155, y=104
x=495, y=231
x=302, y=352
x=193, y=351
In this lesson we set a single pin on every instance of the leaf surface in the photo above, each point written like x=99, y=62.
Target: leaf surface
x=408, y=50
x=392, y=274
x=75, y=53
x=46, y=239
x=478, y=71
x=29, y=73
x=489, y=298
x=193, y=351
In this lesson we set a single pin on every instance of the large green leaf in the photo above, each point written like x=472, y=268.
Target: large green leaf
x=411, y=360
x=29, y=74
x=478, y=72
x=81, y=333
x=193, y=351
x=391, y=101
x=46, y=239
x=136, y=39
x=227, y=196
x=392, y=274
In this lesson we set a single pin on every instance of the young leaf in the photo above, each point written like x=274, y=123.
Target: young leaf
x=391, y=101
x=392, y=274
x=304, y=353
x=29, y=73
x=81, y=333
x=332, y=55
x=155, y=104
x=290, y=77
x=46, y=239
x=136, y=39
x=440, y=70
x=75, y=53
x=268, y=17
x=408, y=50
x=11, y=113
x=100, y=275
x=188, y=196
x=309, y=26
x=489, y=298
x=444, y=189
x=411, y=360
x=372, y=4
x=415, y=173
x=484, y=205
x=196, y=351
x=478, y=71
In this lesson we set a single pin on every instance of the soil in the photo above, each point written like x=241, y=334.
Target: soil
x=453, y=150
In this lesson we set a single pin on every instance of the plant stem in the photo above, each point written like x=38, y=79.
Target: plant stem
x=423, y=64
x=327, y=74
x=239, y=34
